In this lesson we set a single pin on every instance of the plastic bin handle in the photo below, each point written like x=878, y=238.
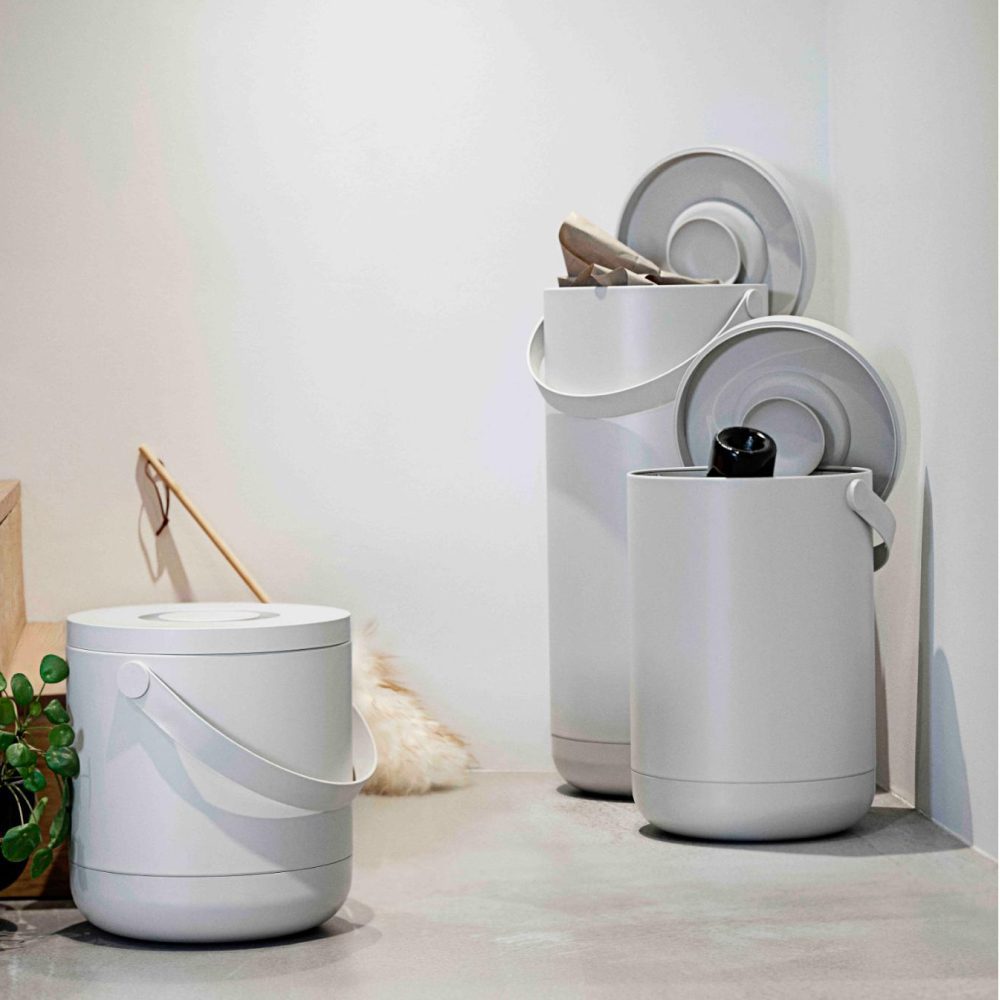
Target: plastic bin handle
x=657, y=391
x=195, y=734
x=870, y=507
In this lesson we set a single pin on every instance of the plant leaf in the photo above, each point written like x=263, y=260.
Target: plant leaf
x=35, y=709
x=35, y=781
x=36, y=813
x=59, y=829
x=62, y=760
x=6, y=739
x=21, y=689
x=20, y=755
x=41, y=861
x=19, y=841
x=55, y=712
x=7, y=712
x=61, y=735
x=53, y=669
x=3, y=682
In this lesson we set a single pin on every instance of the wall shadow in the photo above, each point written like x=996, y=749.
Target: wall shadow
x=942, y=781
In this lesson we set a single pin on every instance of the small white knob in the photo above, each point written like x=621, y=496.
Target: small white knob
x=133, y=679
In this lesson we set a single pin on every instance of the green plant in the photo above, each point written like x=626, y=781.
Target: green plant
x=20, y=731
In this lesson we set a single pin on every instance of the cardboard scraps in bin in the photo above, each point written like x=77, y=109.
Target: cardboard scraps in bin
x=595, y=257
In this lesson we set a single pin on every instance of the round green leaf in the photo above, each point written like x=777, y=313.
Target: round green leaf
x=41, y=861
x=3, y=682
x=53, y=669
x=7, y=712
x=61, y=735
x=35, y=780
x=20, y=755
x=21, y=689
x=6, y=739
x=19, y=841
x=55, y=712
x=35, y=709
x=62, y=760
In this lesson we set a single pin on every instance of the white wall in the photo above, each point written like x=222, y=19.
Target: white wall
x=299, y=248
x=913, y=157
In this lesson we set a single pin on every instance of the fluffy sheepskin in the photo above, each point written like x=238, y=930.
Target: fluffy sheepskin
x=416, y=754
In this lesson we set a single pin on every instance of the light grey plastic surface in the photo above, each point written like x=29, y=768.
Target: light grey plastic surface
x=602, y=768
x=753, y=637
x=213, y=801
x=807, y=384
x=612, y=359
x=211, y=909
x=717, y=212
x=199, y=628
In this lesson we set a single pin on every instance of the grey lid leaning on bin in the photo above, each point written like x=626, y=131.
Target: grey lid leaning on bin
x=716, y=212
x=803, y=382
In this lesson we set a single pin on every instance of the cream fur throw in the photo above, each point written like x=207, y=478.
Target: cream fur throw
x=416, y=754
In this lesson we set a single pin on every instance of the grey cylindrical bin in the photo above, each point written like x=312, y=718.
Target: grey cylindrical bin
x=753, y=683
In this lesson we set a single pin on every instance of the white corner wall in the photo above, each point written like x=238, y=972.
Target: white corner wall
x=299, y=249
x=913, y=149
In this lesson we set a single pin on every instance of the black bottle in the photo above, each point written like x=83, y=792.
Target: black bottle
x=742, y=453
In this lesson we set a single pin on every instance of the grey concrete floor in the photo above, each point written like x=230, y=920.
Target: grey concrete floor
x=518, y=887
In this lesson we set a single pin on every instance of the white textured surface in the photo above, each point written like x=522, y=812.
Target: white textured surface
x=509, y=889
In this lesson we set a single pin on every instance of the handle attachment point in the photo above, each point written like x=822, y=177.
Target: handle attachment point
x=133, y=679
x=871, y=508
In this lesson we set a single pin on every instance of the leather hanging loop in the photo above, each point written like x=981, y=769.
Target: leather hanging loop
x=164, y=504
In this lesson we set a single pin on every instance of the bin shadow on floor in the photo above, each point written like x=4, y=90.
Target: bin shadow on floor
x=352, y=917
x=572, y=792
x=884, y=830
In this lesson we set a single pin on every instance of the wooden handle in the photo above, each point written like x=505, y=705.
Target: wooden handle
x=226, y=551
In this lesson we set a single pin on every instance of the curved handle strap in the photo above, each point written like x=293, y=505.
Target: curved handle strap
x=637, y=398
x=195, y=734
x=870, y=507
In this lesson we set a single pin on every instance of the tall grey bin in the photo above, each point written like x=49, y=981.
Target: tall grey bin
x=608, y=362
x=752, y=600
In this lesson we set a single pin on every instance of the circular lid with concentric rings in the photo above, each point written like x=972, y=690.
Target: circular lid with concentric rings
x=716, y=212
x=806, y=384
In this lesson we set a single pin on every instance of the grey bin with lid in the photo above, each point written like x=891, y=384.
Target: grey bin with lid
x=752, y=600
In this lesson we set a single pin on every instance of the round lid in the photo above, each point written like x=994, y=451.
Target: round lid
x=193, y=629
x=716, y=212
x=807, y=385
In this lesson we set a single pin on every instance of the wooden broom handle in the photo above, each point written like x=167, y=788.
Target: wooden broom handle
x=226, y=551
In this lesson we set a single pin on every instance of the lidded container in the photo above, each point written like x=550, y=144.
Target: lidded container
x=753, y=617
x=219, y=756
x=608, y=362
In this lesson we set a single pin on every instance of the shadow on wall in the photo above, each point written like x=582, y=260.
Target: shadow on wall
x=942, y=783
x=165, y=558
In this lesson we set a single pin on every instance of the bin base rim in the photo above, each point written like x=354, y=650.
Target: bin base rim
x=210, y=908
x=779, y=810
x=592, y=766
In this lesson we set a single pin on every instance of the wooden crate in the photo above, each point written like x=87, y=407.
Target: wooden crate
x=11, y=570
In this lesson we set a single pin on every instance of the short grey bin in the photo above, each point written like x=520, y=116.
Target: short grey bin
x=753, y=630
